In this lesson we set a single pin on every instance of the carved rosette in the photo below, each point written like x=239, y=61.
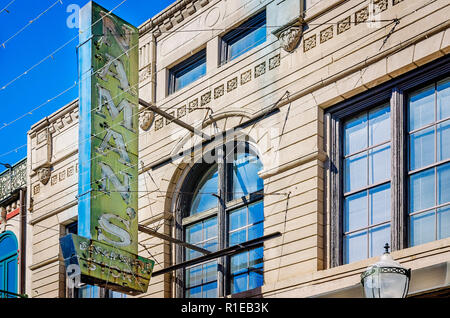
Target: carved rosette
x=146, y=120
x=290, y=38
x=44, y=175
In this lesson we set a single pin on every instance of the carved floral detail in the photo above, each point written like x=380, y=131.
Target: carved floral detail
x=274, y=61
x=309, y=43
x=181, y=111
x=326, y=34
x=219, y=91
x=232, y=84
x=260, y=69
x=380, y=6
x=206, y=98
x=246, y=77
x=362, y=15
x=172, y=113
x=343, y=25
x=159, y=123
x=193, y=105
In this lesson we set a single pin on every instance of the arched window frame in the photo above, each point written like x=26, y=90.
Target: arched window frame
x=226, y=204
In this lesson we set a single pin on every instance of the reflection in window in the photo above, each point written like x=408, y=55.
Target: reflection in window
x=429, y=163
x=187, y=72
x=245, y=213
x=367, y=189
x=245, y=37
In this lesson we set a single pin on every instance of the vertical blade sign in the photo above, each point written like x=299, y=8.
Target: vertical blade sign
x=108, y=145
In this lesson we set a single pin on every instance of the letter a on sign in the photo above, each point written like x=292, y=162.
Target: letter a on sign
x=108, y=154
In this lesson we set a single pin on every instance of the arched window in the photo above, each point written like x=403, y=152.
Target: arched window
x=221, y=207
x=8, y=264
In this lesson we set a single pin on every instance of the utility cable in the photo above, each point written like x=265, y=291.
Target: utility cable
x=30, y=22
x=7, y=6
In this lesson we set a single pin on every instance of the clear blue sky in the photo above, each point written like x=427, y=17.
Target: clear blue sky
x=37, y=41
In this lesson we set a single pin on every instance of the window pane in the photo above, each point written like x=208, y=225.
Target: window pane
x=204, y=200
x=355, y=134
x=255, y=279
x=443, y=141
x=12, y=276
x=238, y=219
x=210, y=272
x=422, y=148
x=210, y=290
x=239, y=263
x=421, y=108
x=194, y=276
x=211, y=245
x=380, y=204
x=379, y=125
x=210, y=228
x=189, y=71
x=245, y=175
x=194, y=292
x=355, y=247
x=256, y=257
x=443, y=99
x=238, y=237
x=443, y=173
x=256, y=212
x=380, y=164
x=355, y=213
x=355, y=170
x=239, y=283
x=422, y=228
x=421, y=191
x=378, y=237
x=248, y=42
x=443, y=216
x=255, y=231
x=194, y=233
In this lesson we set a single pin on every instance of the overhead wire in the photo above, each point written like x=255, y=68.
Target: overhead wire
x=7, y=6
x=30, y=22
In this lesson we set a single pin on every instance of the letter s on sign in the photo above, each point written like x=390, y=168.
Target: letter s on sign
x=105, y=225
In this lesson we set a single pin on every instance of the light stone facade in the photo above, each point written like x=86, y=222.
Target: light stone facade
x=339, y=56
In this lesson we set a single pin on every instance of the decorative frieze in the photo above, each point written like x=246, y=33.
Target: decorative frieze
x=159, y=123
x=362, y=15
x=394, y=2
x=219, y=91
x=380, y=6
x=172, y=113
x=344, y=25
x=246, y=77
x=232, y=84
x=206, y=98
x=326, y=34
x=62, y=175
x=181, y=111
x=36, y=189
x=11, y=180
x=274, y=61
x=70, y=171
x=309, y=43
x=260, y=69
x=54, y=180
x=193, y=105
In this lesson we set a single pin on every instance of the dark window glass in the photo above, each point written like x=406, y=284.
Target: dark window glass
x=187, y=72
x=245, y=37
x=367, y=191
x=429, y=164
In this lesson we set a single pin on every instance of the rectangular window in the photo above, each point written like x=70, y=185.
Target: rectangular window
x=429, y=163
x=390, y=165
x=187, y=72
x=367, y=192
x=243, y=38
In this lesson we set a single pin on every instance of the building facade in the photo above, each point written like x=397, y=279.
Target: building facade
x=13, y=230
x=324, y=121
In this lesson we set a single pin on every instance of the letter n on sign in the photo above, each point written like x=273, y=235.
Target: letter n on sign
x=108, y=148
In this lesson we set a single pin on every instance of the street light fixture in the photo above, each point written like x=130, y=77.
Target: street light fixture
x=386, y=279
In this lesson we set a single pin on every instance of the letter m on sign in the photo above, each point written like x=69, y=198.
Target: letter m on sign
x=108, y=136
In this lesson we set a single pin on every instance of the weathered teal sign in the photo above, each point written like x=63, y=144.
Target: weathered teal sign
x=108, y=154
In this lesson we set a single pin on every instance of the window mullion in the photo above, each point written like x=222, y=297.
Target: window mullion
x=221, y=222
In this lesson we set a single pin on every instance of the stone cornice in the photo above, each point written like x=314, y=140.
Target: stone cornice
x=171, y=16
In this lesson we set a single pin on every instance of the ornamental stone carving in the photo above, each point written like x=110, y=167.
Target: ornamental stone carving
x=44, y=175
x=290, y=38
x=146, y=120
